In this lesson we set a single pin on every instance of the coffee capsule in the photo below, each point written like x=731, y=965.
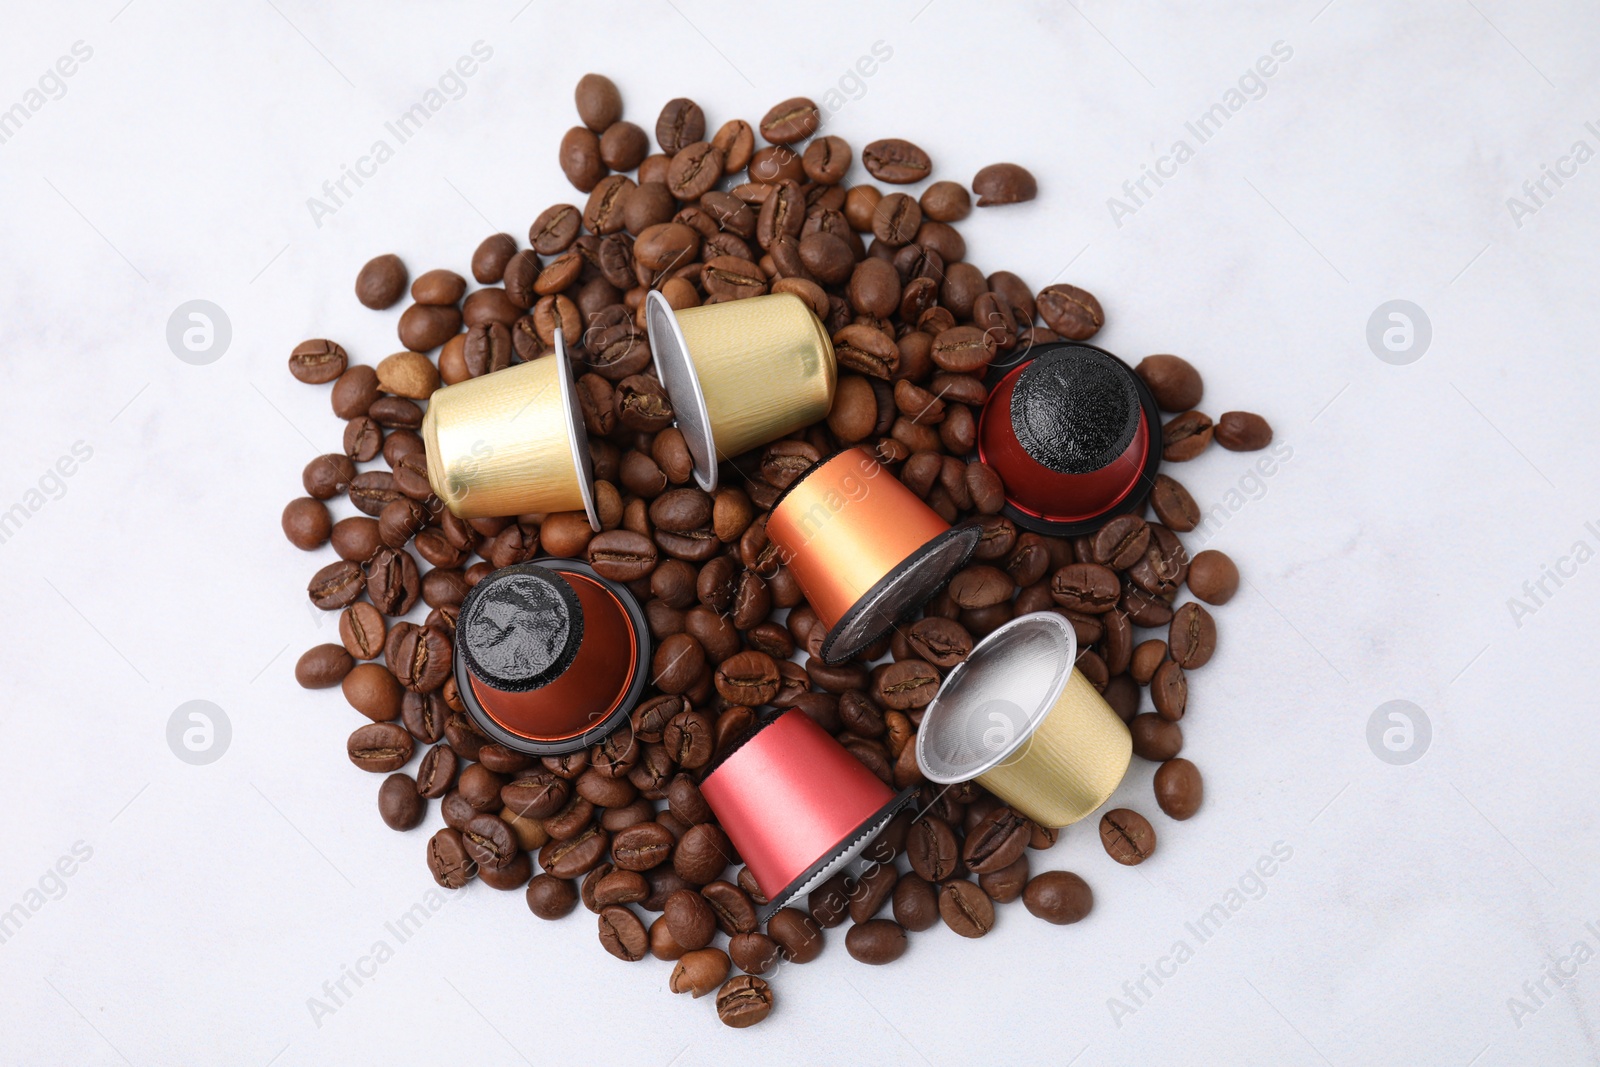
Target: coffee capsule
x=1018, y=716
x=796, y=805
x=740, y=373
x=511, y=442
x=863, y=548
x=1074, y=435
x=550, y=657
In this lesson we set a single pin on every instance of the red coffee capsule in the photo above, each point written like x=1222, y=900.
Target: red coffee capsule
x=796, y=805
x=1074, y=435
x=550, y=657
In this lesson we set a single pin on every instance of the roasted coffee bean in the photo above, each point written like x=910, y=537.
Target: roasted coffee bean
x=681, y=510
x=735, y=912
x=1058, y=897
x=1178, y=788
x=1242, y=431
x=424, y=715
x=1169, y=691
x=689, y=738
x=489, y=841
x=749, y=678
x=420, y=657
x=306, y=523
x=1185, y=436
x=1004, y=183
x=699, y=971
x=317, y=361
x=867, y=350
x=965, y=908
x=872, y=891
x=1071, y=312
x=323, y=666
x=942, y=642
x=931, y=848
x=550, y=897
x=1121, y=542
x=997, y=841
x=703, y=853
x=1006, y=884
x=452, y=868
x=437, y=773
x=680, y=124
x=623, y=146
x=1127, y=836
x=599, y=102
x=336, y=585
x=946, y=201
x=537, y=794
x=753, y=953
x=1173, y=505
x=392, y=580
x=1172, y=380
x=1085, y=587
x=909, y=683
x=642, y=846
x=362, y=630
x=327, y=476
x=916, y=902
x=689, y=919
x=399, y=804
x=622, y=933
x=622, y=555
x=580, y=158
x=619, y=887
x=896, y=161
x=1155, y=738
x=1192, y=636
x=876, y=941
x=980, y=586
x=380, y=747
x=353, y=394
x=1213, y=577
x=798, y=936
x=579, y=854
x=480, y=787
x=744, y=1000
x=695, y=170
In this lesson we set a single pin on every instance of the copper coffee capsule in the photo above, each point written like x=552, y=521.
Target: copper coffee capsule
x=1074, y=435
x=550, y=657
x=1018, y=717
x=511, y=442
x=740, y=373
x=863, y=548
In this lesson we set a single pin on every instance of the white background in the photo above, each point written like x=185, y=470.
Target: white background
x=1380, y=558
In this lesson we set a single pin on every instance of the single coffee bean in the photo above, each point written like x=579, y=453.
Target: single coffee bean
x=550, y=897
x=408, y=374
x=909, y=683
x=480, y=787
x=753, y=953
x=1127, y=836
x=896, y=161
x=579, y=158
x=1006, y=884
x=798, y=936
x=997, y=841
x=489, y=841
x=642, y=846
x=1121, y=542
x=372, y=690
x=306, y=523
x=1169, y=691
x=363, y=437
x=618, y=887
x=690, y=919
x=420, y=657
x=573, y=856
x=699, y=971
x=1178, y=788
x=732, y=906
x=1147, y=659
x=336, y=585
x=965, y=908
x=437, y=773
x=392, y=580
x=1213, y=577
x=744, y=1000
x=622, y=555
x=399, y=804
x=1059, y=897
x=395, y=413
x=1173, y=505
x=916, y=902
x=680, y=124
x=1086, y=587
x=452, y=868
x=980, y=586
x=622, y=933
x=623, y=146
x=362, y=630
x=380, y=747
x=876, y=941
x=946, y=201
x=327, y=476
x=489, y=261
x=1172, y=380
x=749, y=679
x=424, y=327
x=1071, y=312
x=1155, y=738
x=317, y=361
x=703, y=853
x=323, y=666
x=355, y=391
x=1185, y=436
x=931, y=848
x=599, y=102
x=1191, y=636
x=1004, y=183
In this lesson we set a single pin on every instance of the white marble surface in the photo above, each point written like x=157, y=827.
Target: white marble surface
x=1417, y=900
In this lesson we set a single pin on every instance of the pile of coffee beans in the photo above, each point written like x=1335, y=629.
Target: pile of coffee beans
x=623, y=828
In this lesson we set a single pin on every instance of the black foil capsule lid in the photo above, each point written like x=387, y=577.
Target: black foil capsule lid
x=1075, y=410
x=520, y=627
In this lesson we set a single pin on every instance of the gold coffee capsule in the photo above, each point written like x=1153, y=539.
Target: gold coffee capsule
x=511, y=442
x=740, y=373
x=1022, y=720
